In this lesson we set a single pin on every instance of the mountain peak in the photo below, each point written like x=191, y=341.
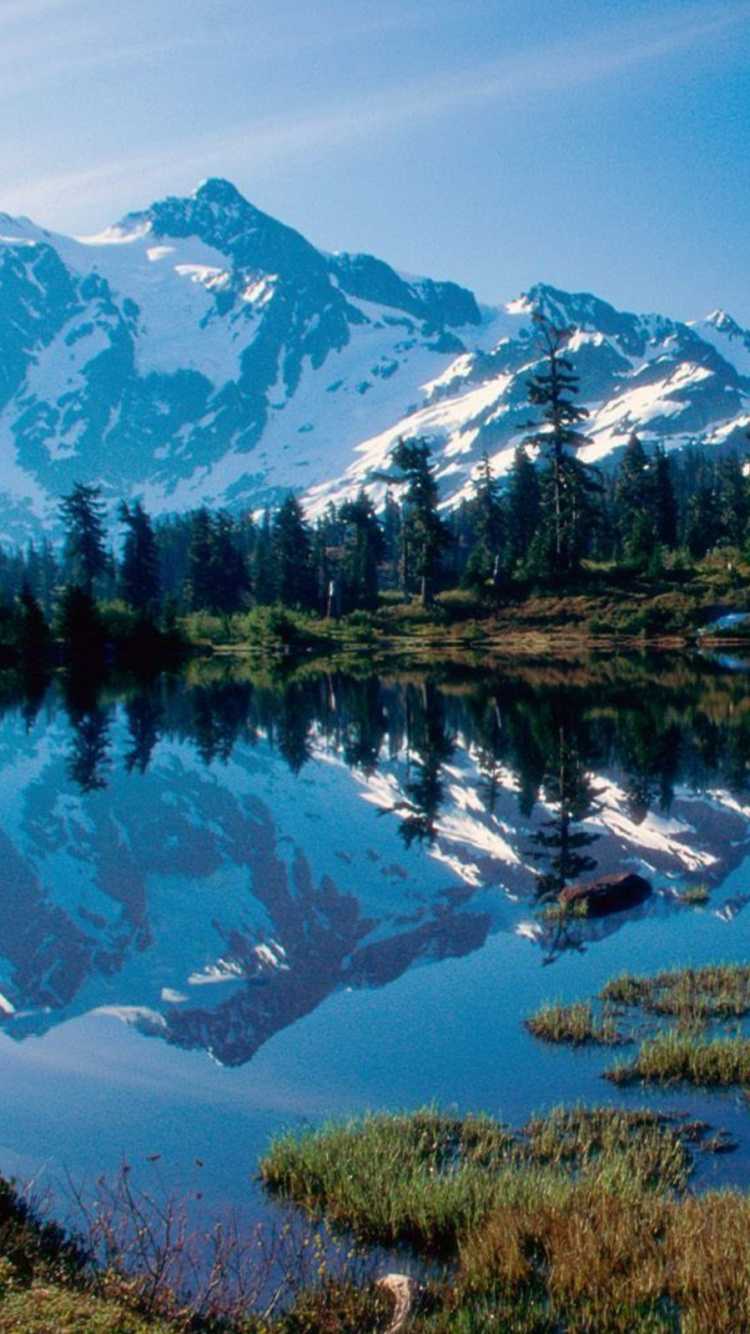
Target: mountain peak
x=217, y=190
x=722, y=321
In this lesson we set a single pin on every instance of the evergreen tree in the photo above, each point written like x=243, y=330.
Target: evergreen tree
x=362, y=550
x=33, y=632
x=80, y=627
x=139, y=567
x=392, y=541
x=217, y=578
x=734, y=500
x=172, y=544
x=566, y=484
x=580, y=491
x=198, y=581
x=85, y=554
x=262, y=563
x=703, y=522
x=230, y=576
x=636, y=503
x=462, y=540
x=488, y=523
x=291, y=552
x=665, y=500
x=425, y=534
x=523, y=507
x=324, y=571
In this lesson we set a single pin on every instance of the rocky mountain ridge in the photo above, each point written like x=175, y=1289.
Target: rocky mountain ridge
x=201, y=351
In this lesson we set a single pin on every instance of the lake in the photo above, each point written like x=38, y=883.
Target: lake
x=243, y=899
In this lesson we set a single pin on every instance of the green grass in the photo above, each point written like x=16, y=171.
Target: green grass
x=693, y=996
x=674, y=1057
x=41, y=1309
x=586, y=1225
x=695, y=895
x=575, y=1024
x=580, y=1223
x=417, y=1179
x=429, y=1178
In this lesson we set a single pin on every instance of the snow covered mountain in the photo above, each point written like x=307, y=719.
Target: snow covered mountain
x=202, y=351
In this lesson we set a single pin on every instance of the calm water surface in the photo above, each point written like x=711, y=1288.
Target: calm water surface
x=230, y=903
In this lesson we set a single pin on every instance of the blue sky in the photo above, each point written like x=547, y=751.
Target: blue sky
x=599, y=145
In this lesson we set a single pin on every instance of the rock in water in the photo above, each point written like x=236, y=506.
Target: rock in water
x=610, y=893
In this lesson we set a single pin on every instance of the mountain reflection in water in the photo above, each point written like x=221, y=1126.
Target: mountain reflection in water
x=211, y=857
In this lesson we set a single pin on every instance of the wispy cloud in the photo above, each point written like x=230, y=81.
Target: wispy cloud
x=260, y=142
x=29, y=61
x=46, y=42
x=28, y=11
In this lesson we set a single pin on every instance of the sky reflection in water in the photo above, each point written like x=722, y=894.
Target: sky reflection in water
x=325, y=895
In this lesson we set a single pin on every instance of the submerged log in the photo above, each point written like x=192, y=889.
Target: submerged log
x=610, y=893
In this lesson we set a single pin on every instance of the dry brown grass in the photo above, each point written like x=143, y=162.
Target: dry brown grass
x=612, y=1262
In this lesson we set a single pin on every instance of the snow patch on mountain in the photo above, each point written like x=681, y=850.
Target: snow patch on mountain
x=199, y=351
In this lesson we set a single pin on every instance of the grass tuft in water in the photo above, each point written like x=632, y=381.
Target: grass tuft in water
x=676, y=1057
x=583, y=1224
x=575, y=1024
x=693, y=996
x=430, y=1178
x=695, y=895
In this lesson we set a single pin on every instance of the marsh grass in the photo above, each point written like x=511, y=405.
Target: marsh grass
x=695, y=895
x=417, y=1179
x=575, y=1024
x=586, y=1225
x=613, y=1262
x=692, y=996
x=580, y=1223
x=428, y=1179
x=675, y=1057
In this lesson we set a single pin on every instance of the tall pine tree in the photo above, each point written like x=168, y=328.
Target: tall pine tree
x=291, y=551
x=425, y=535
x=139, y=565
x=85, y=553
x=567, y=488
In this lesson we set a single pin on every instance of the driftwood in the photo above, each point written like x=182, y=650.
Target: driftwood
x=402, y=1289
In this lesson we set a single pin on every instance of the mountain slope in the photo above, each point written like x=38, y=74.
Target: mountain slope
x=202, y=351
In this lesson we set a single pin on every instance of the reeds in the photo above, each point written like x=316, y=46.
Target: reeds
x=674, y=1057
x=695, y=895
x=582, y=1223
x=612, y=1262
x=429, y=1179
x=575, y=1024
x=693, y=996
x=393, y=1178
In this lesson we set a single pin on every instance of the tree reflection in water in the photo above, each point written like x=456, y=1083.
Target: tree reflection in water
x=491, y=784
x=689, y=726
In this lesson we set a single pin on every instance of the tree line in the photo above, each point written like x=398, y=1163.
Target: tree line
x=550, y=514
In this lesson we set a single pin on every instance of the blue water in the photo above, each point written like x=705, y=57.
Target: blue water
x=396, y=975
